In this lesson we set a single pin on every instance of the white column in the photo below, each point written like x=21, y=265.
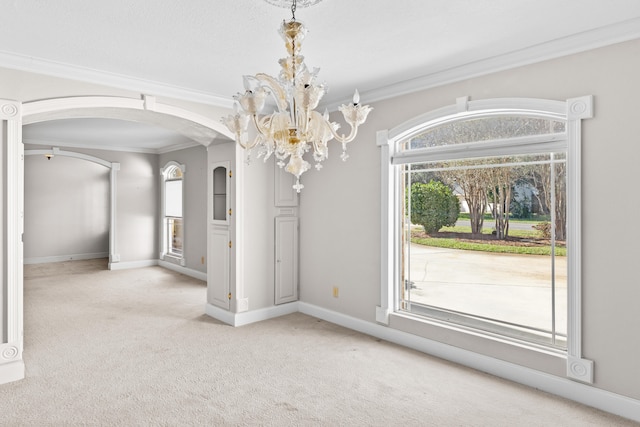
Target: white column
x=114, y=255
x=11, y=212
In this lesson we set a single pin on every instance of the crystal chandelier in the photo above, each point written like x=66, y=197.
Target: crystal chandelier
x=294, y=127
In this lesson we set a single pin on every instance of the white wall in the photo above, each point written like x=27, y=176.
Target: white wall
x=259, y=232
x=136, y=204
x=195, y=204
x=340, y=207
x=66, y=208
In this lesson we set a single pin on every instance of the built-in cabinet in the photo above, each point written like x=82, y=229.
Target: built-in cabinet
x=219, y=242
x=252, y=236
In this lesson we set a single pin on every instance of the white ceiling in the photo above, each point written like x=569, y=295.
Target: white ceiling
x=198, y=49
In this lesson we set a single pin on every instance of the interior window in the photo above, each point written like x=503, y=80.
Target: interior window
x=173, y=226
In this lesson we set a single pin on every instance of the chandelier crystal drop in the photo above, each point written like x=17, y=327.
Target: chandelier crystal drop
x=293, y=128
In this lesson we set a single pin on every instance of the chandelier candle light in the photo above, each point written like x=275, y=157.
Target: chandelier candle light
x=294, y=127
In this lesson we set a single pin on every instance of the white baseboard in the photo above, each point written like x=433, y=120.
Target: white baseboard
x=61, y=258
x=132, y=264
x=578, y=392
x=164, y=264
x=247, y=317
x=10, y=372
x=183, y=270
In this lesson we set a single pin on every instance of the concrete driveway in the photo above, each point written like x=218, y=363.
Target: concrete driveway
x=507, y=287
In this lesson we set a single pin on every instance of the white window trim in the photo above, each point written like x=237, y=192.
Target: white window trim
x=573, y=110
x=164, y=251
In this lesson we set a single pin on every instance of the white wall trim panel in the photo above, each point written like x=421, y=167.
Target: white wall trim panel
x=578, y=392
x=11, y=250
x=578, y=368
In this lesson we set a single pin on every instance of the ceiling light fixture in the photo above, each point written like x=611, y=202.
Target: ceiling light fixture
x=294, y=127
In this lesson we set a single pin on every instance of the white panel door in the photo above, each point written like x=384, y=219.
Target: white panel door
x=218, y=267
x=286, y=280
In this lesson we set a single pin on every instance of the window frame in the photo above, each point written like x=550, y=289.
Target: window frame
x=165, y=254
x=573, y=111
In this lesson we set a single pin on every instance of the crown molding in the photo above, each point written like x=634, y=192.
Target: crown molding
x=581, y=42
x=104, y=78
x=588, y=40
x=163, y=150
x=176, y=147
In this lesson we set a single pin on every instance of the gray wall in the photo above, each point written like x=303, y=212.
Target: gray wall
x=340, y=207
x=66, y=210
x=67, y=205
x=137, y=203
x=195, y=204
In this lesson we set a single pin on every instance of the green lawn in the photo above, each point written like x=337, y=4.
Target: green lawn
x=527, y=234
x=453, y=243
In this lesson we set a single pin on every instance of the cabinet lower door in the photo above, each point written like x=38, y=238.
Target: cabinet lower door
x=218, y=267
x=286, y=280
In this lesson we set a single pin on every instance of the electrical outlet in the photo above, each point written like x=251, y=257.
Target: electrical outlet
x=335, y=292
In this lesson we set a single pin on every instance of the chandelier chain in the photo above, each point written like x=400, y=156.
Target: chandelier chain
x=293, y=10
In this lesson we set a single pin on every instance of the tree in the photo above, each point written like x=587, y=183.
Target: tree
x=473, y=183
x=500, y=192
x=433, y=205
x=541, y=178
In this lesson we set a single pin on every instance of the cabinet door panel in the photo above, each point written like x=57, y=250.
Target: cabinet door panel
x=286, y=280
x=218, y=268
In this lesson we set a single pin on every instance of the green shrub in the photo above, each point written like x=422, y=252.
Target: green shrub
x=544, y=228
x=433, y=206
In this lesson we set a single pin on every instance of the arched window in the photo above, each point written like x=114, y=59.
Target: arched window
x=172, y=214
x=481, y=222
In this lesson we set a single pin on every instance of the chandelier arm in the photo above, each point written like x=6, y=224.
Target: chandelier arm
x=249, y=146
x=278, y=93
x=260, y=126
x=342, y=138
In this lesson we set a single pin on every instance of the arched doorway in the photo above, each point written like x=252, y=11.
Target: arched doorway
x=113, y=167
x=13, y=115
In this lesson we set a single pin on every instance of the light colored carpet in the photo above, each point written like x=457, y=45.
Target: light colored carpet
x=133, y=348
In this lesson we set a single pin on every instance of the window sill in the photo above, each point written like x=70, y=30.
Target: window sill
x=174, y=259
x=540, y=358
